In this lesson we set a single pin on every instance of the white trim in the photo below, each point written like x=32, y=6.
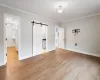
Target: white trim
x=4, y=33
x=92, y=54
x=46, y=37
x=50, y=50
x=26, y=12
x=48, y=18
x=82, y=17
x=25, y=57
x=19, y=39
x=2, y=64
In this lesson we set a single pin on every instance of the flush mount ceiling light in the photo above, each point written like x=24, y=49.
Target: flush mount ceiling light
x=61, y=6
x=60, y=9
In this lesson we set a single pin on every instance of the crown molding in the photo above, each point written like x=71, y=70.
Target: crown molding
x=46, y=17
x=81, y=18
x=26, y=12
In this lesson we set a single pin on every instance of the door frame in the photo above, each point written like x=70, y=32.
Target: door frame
x=41, y=39
x=19, y=40
x=57, y=37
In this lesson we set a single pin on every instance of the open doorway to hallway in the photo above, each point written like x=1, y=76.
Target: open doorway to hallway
x=11, y=38
x=59, y=37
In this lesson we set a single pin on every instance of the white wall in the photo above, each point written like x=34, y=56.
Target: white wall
x=1, y=41
x=26, y=31
x=88, y=39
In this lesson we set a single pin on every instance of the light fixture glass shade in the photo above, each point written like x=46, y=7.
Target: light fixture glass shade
x=60, y=6
x=60, y=9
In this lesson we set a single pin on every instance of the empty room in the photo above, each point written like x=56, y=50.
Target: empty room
x=49, y=40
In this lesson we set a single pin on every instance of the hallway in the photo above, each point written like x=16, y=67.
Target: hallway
x=12, y=55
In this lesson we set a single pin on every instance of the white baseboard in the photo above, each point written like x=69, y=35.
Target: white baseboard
x=24, y=57
x=92, y=54
x=2, y=64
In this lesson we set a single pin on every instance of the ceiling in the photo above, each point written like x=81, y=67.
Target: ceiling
x=46, y=8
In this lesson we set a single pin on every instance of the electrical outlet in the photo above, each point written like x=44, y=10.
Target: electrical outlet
x=75, y=44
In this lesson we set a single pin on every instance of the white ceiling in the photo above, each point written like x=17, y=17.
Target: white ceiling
x=46, y=8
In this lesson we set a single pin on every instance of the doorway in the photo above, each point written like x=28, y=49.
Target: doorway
x=11, y=38
x=59, y=37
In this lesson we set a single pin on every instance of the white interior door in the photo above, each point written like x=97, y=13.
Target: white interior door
x=44, y=39
x=37, y=39
x=61, y=38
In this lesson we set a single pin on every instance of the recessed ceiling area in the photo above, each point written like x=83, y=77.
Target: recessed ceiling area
x=46, y=8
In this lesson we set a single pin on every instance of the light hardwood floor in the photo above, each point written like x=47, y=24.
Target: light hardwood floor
x=55, y=65
x=12, y=55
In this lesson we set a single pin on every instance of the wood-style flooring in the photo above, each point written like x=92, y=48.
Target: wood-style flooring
x=55, y=65
x=12, y=55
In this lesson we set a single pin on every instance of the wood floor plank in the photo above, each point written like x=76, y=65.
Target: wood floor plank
x=55, y=65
